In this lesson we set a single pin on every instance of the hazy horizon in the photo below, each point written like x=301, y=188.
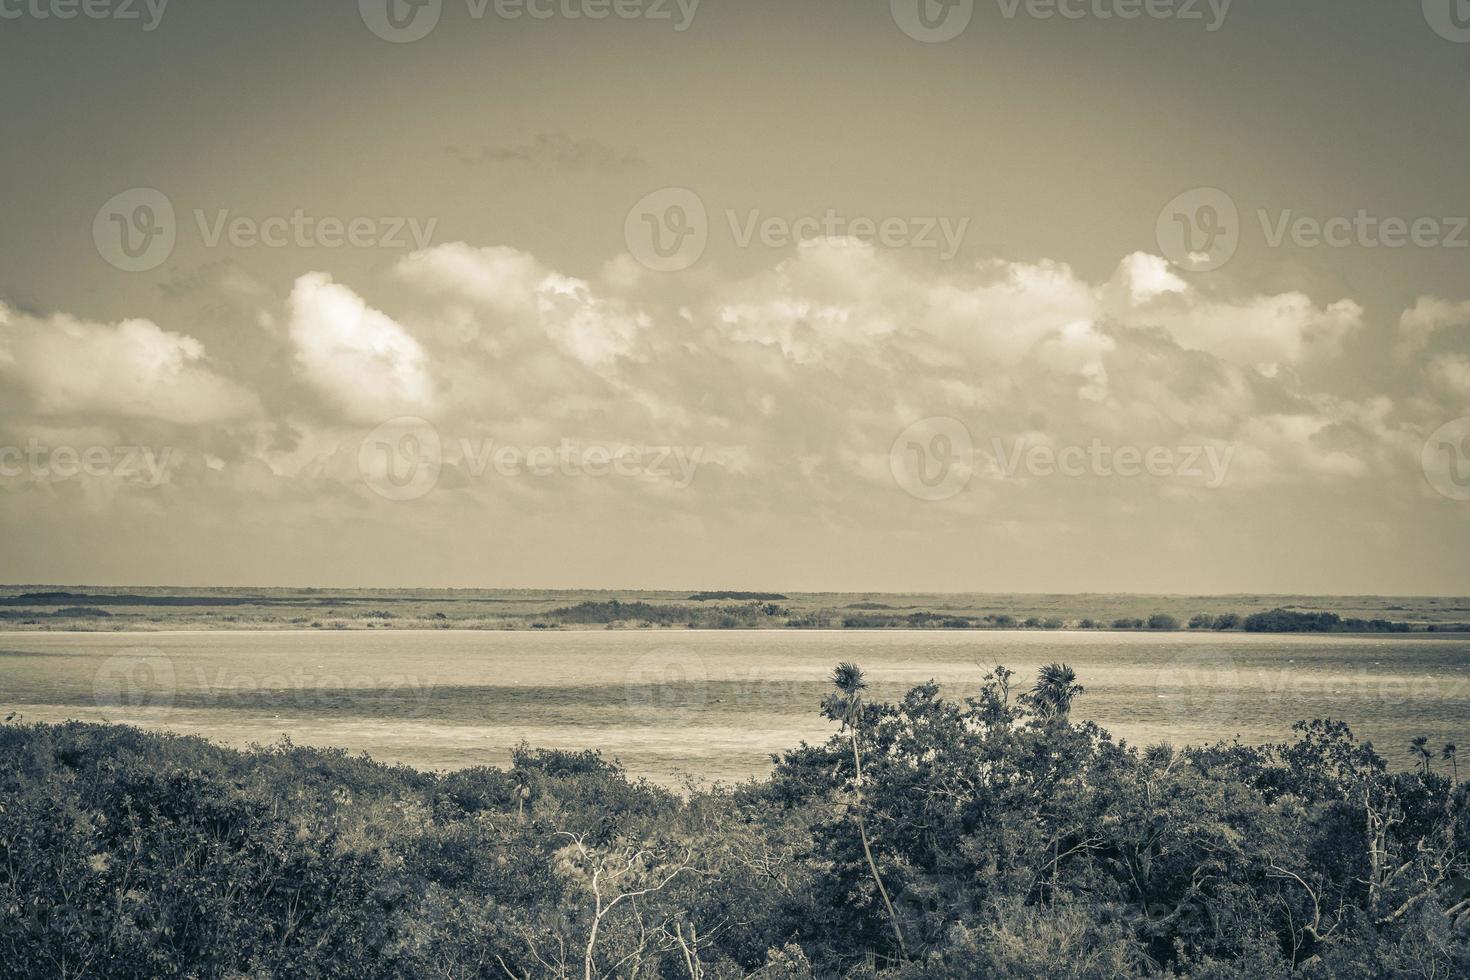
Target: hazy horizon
x=691, y=590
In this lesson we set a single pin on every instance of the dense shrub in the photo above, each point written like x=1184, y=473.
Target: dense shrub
x=741, y=616
x=987, y=837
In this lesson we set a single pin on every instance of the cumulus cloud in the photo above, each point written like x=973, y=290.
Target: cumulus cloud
x=1428, y=316
x=793, y=383
x=361, y=361
x=499, y=299
x=806, y=371
x=1267, y=331
x=133, y=369
x=1449, y=375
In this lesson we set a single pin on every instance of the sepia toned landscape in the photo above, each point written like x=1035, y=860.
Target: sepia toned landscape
x=734, y=490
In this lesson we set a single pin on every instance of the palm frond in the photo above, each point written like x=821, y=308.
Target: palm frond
x=848, y=678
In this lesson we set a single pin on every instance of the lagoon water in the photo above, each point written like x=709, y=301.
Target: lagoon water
x=707, y=706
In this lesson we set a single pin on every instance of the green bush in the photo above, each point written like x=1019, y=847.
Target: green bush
x=990, y=836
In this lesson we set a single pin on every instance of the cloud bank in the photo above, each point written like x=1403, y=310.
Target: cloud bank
x=793, y=384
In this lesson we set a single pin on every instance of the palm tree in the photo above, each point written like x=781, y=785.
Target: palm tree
x=1056, y=686
x=1419, y=749
x=845, y=705
x=522, y=793
x=1448, y=754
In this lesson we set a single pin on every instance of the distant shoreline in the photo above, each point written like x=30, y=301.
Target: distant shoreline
x=157, y=629
x=77, y=609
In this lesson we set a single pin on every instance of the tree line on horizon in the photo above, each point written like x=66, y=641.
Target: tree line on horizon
x=768, y=613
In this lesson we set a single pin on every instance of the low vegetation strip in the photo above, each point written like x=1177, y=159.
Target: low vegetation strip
x=988, y=837
x=756, y=596
x=143, y=610
x=730, y=616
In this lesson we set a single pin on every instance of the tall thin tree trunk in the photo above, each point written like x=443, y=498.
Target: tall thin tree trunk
x=857, y=760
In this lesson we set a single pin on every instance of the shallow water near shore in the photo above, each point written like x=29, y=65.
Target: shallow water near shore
x=708, y=706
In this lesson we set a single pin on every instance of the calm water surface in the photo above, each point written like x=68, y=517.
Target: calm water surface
x=707, y=705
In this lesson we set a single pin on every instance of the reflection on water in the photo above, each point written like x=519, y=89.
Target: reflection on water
x=707, y=705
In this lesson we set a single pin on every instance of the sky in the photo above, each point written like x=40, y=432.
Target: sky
x=1088, y=295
